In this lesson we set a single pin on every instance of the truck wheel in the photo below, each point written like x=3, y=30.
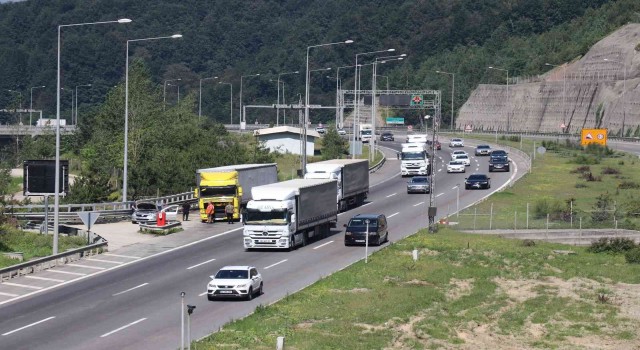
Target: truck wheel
x=292, y=243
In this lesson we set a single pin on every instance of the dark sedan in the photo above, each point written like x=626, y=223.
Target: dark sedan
x=386, y=136
x=477, y=181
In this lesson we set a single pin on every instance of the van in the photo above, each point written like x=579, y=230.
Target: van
x=356, y=230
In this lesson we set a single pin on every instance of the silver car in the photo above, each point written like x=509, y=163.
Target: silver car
x=419, y=184
x=145, y=212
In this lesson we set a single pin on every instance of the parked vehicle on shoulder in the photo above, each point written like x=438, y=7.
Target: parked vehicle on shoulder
x=419, y=184
x=240, y=282
x=456, y=166
x=145, y=212
x=479, y=181
x=456, y=143
x=483, y=150
x=386, y=136
x=373, y=224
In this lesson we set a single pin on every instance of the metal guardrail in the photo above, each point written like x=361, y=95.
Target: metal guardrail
x=378, y=165
x=48, y=262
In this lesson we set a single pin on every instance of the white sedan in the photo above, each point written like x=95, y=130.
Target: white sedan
x=342, y=132
x=456, y=143
x=464, y=159
x=456, y=166
x=456, y=154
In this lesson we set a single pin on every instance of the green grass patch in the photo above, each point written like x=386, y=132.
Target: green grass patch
x=462, y=286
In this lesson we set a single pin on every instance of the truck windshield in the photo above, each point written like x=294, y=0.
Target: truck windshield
x=217, y=191
x=275, y=217
x=366, y=132
x=413, y=155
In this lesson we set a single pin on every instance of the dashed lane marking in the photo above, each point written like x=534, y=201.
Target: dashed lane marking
x=200, y=264
x=123, y=327
x=29, y=325
x=278, y=263
x=394, y=214
x=417, y=204
x=391, y=195
x=322, y=245
x=130, y=289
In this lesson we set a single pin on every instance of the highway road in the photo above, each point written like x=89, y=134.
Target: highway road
x=138, y=305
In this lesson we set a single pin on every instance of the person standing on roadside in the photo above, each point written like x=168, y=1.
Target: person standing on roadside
x=229, y=211
x=186, y=207
x=209, y=213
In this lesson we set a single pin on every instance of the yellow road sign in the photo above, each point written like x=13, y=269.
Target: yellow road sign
x=598, y=136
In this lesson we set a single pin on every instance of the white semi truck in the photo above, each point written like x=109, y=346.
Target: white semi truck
x=352, y=177
x=288, y=214
x=414, y=159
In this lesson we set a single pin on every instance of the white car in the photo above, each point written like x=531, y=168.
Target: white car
x=241, y=282
x=456, y=143
x=456, y=166
x=456, y=154
x=464, y=159
x=320, y=130
x=341, y=132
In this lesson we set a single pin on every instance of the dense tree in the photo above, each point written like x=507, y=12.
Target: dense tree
x=333, y=146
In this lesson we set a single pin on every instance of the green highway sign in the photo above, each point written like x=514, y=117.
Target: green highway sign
x=395, y=120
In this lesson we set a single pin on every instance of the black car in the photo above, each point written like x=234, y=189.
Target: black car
x=483, y=150
x=498, y=153
x=386, y=136
x=419, y=184
x=499, y=163
x=356, y=229
x=477, y=181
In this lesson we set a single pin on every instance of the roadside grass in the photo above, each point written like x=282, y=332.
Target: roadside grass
x=554, y=185
x=32, y=245
x=15, y=185
x=481, y=291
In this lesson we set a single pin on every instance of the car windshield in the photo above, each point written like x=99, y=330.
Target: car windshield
x=419, y=180
x=274, y=217
x=463, y=156
x=477, y=178
x=456, y=140
x=360, y=222
x=455, y=163
x=483, y=147
x=459, y=152
x=498, y=153
x=232, y=274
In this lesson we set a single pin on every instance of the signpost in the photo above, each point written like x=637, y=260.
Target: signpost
x=598, y=136
x=409, y=128
x=88, y=219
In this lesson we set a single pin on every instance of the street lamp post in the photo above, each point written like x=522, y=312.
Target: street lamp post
x=57, y=170
x=366, y=242
x=457, y=200
x=278, y=108
x=564, y=93
x=31, y=102
x=230, y=101
x=356, y=83
x=306, y=103
x=508, y=99
x=339, y=103
x=200, y=96
x=431, y=170
x=453, y=89
x=164, y=92
x=374, y=109
x=242, y=116
x=126, y=111
x=624, y=90
x=76, y=104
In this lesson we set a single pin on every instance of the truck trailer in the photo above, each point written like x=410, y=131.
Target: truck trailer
x=231, y=184
x=352, y=177
x=288, y=214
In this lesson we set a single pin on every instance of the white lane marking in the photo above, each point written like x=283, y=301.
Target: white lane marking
x=29, y=325
x=201, y=294
x=439, y=170
x=121, y=256
x=130, y=289
x=21, y=285
x=9, y=294
x=322, y=245
x=119, y=266
x=44, y=278
x=200, y=264
x=278, y=263
x=123, y=327
x=68, y=273
x=106, y=261
x=87, y=267
x=454, y=187
x=364, y=205
x=438, y=195
x=417, y=204
x=391, y=195
x=392, y=215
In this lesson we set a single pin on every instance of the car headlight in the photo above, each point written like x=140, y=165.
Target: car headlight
x=242, y=286
x=347, y=233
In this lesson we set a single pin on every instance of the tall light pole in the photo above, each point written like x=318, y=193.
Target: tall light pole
x=126, y=111
x=431, y=169
x=200, y=94
x=356, y=83
x=387, y=79
x=57, y=170
x=564, y=92
x=457, y=187
x=164, y=92
x=242, y=116
x=624, y=90
x=76, y=104
x=453, y=89
x=230, y=101
x=374, y=109
x=31, y=102
x=508, y=99
x=306, y=103
x=339, y=105
x=277, y=107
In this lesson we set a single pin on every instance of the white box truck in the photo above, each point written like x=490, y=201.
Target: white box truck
x=414, y=159
x=288, y=214
x=352, y=177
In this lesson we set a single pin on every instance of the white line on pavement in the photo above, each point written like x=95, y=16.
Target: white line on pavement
x=106, y=261
x=123, y=327
x=394, y=214
x=322, y=245
x=9, y=294
x=202, y=263
x=201, y=294
x=87, y=267
x=391, y=195
x=20, y=285
x=278, y=263
x=364, y=205
x=121, y=256
x=44, y=278
x=417, y=204
x=130, y=289
x=439, y=194
x=68, y=273
x=29, y=325
x=454, y=187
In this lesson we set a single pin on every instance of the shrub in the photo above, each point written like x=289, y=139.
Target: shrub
x=581, y=169
x=633, y=256
x=612, y=245
x=589, y=177
x=628, y=185
x=581, y=185
x=585, y=159
x=610, y=171
x=528, y=243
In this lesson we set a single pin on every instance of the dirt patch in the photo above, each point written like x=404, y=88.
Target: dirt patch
x=354, y=290
x=459, y=288
x=419, y=283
